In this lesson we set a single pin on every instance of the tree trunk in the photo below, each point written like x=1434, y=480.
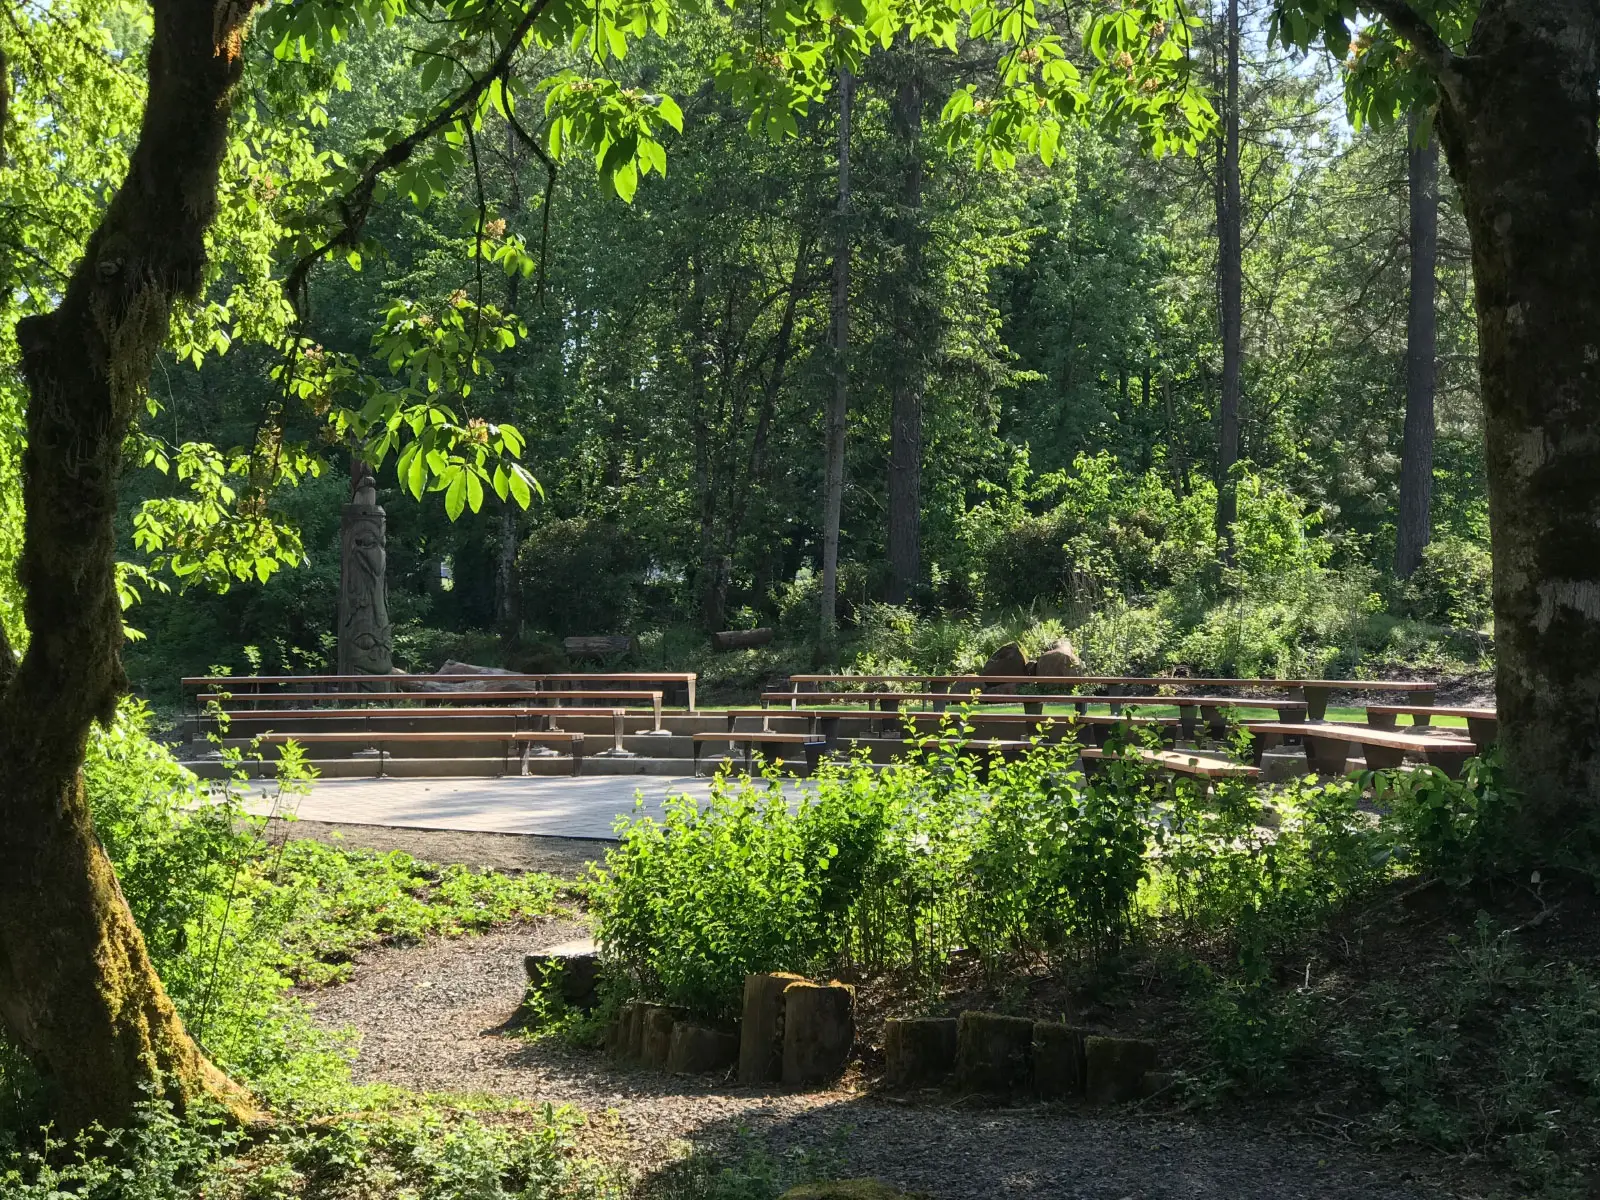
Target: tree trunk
x=508, y=616
x=78, y=993
x=839, y=402
x=1230, y=287
x=1414, y=526
x=1518, y=119
x=911, y=334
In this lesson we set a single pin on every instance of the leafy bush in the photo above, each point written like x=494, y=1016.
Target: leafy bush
x=886, y=868
x=1453, y=584
x=582, y=576
x=1456, y=829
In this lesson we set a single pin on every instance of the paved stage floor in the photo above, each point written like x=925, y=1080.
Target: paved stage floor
x=549, y=806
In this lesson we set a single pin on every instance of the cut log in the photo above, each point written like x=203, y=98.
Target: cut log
x=699, y=1049
x=1115, y=1068
x=819, y=1028
x=606, y=646
x=994, y=1053
x=573, y=966
x=740, y=639
x=761, y=1027
x=1058, y=1060
x=919, y=1051
x=656, y=1046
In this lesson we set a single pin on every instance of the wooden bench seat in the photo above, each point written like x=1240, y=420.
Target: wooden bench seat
x=1315, y=692
x=1483, y=724
x=1328, y=745
x=769, y=743
x=380, y=742
x=392, y=701
x=546, y=682
x=1179, y=762
x=1206, y=708
x=468, y=721
x=1098, y=726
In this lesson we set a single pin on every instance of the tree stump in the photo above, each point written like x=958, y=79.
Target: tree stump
x=697, y=1049
x=657, y=1042
x=1058, y=1060
x=819, y=1028
x=919, y=1050
x=761, y=1027
x=994, y=1053
x=573, y=966
x=1115, y=1068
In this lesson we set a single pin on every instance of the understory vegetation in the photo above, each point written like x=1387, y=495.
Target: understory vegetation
x=244, y=923
x=1271, y=939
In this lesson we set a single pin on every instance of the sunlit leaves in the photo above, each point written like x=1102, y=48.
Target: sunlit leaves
x=222, y=528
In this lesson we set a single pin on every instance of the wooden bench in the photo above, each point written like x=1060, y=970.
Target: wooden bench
x=413, y=685
x=1178, y=762
x=770, y=745
x=378, y=743
x=239, y=704
x=1328, y=745
x=1483, y=725
x=1207, y=707
x=1099, y=726
x=471, y=720
x=1315, y=692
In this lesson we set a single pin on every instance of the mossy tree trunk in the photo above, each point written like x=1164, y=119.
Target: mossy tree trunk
x=1518, y=120
x=78, y=993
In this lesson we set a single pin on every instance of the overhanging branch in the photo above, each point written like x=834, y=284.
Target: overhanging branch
x=1414, y=27
x=356, y=204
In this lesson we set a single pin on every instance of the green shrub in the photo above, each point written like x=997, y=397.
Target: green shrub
x=1056, y=862
x=1458, y=829
x=1453, y=584
x=582, y=576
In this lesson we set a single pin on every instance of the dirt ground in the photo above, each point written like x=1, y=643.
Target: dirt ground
x=566, y=858
x=438, y=1017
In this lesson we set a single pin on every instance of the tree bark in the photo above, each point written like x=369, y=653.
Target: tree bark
x=839, y=402
x=1414, y=526
x=1230, y=287
x=1517, y=120
x=911, y=333
x=78, y=993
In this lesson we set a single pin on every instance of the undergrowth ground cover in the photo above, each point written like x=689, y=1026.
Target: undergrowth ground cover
x=1344, y=957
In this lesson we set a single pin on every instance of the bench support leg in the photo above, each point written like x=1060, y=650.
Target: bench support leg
x=1326, y=756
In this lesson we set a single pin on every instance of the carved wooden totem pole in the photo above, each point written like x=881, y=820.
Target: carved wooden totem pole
x=366, y=639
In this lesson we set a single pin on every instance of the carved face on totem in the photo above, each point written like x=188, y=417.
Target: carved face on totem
x=365, y=636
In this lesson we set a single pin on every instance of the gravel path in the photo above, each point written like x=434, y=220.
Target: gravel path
x=431, y=1017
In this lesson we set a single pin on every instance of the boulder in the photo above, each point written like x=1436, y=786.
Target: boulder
x=1115, y=1068
x=819, y=1028
x=573, y=966
x=1008, y=660
x=919, y=1050
x=489, y=682
x=656, y=1045
x=1058, y=1063
x=761, y=1027
x=1060, y=659
x=849, y=1189
x=994, y=1053
x=698, y=1049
